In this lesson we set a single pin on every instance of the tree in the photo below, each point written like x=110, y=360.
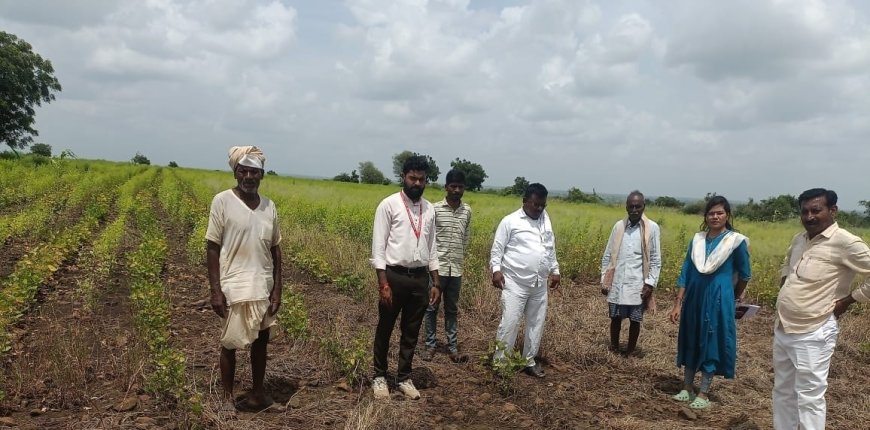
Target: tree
x=866, y=204
x=474, y=174
x=271, y=173
x=26, y=81
x=577, y=196
x=399, y=162
x=773, y=209
x=173, y=164
x=43, y=149
x=369, y=174
x=668, y=202
x=344, y=177
x=140, y=159
x=518, y=188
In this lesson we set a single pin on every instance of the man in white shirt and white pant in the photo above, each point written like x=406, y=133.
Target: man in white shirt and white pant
x=523, y=262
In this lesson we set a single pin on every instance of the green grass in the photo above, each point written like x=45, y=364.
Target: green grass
x=331, y=222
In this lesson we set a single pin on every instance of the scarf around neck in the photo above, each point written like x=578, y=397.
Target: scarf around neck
x=616, y=244
x=708, y=264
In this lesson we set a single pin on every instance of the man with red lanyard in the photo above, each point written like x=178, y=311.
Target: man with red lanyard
x=405, y=259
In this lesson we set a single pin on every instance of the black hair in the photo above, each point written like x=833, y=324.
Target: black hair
x=636, y=193
x=716, y=201
x=535, y=189
x=830, y=196
x=455, y=176
x=417, y=162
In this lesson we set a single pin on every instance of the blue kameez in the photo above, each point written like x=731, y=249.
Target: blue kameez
x=708, y=332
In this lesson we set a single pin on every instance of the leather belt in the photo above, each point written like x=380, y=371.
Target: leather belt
x=409, y=271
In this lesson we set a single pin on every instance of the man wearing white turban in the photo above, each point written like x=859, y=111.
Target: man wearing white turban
x=244, y=271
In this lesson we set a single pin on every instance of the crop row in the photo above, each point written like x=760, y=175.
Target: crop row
x=188, y=202
x=103, y=258
x=60, y=204
x=19, y=289
x=151, y=303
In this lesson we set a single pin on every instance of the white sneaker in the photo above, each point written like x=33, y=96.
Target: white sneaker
x=380, y=389
x=409, y=390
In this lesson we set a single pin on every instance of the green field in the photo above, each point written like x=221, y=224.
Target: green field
x=330, y=225
x=103, y=296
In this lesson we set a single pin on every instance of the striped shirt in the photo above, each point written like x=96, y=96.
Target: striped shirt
x=452, y=228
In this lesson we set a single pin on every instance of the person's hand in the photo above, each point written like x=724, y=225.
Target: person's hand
x=646, y=292
x=386, y=295
x=555, y=280
x=498, y=280
x=842, y=305
x=219, y=303
x=675, y=313
x=605, y=290
x=274, y=302
x=434, y=294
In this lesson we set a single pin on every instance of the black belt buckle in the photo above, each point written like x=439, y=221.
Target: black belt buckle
x=408, y=271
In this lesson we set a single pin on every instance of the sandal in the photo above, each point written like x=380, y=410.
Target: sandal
x=700, y=403
x=683, y=396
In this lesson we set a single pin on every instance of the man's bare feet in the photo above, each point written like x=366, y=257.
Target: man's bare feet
x=228, y=408
x=258, y=402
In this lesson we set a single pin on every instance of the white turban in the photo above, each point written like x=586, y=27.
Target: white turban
x=250, y=156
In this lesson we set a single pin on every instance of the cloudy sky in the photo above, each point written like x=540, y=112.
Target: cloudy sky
x=749, y=98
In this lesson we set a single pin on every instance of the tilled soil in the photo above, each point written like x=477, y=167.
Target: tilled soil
x=73, y=369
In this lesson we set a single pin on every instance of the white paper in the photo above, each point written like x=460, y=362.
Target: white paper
x=749, y=311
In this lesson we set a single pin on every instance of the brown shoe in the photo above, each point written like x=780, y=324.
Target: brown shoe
x=428, y=354
x=458, y=358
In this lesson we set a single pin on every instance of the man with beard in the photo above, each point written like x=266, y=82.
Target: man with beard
x=244, y=271
x=523, y=262
x=452, y=227
x=404, y=258
x=630, y=270
x=819, y=268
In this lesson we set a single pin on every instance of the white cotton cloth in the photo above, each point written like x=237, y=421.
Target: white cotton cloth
x=250, y=156
x=800, y=365
x=246, y=237
x=524, y=249
x=245, y=321
x=709, y=264
x=518, y=301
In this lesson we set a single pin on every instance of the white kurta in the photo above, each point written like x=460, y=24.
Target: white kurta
x=246, y=237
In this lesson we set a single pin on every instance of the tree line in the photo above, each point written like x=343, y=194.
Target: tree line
x=783, y=207
x=367, y=173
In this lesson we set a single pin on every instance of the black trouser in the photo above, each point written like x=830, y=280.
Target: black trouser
x=410, y=298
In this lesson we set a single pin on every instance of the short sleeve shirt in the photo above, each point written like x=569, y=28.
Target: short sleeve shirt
x=246, y=237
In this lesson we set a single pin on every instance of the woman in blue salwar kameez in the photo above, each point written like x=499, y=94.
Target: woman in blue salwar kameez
x=705, y=303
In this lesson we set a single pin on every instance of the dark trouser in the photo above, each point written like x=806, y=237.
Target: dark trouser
x=450, y=286
x=410, y=298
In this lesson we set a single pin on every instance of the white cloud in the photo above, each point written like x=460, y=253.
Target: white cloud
x=566, y=92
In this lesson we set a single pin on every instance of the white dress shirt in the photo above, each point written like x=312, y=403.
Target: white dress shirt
x=524, y=249
x=394, y=241
x=628, y=280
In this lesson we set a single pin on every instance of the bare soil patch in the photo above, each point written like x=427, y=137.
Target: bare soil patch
x=69, y=368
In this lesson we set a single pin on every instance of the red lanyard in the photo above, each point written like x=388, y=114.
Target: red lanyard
x=419, y=228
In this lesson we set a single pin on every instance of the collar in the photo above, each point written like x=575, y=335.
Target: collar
x=443, y=202
x=628, y=223
x=826, y=233
x=523, y=214
x=408, y=199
